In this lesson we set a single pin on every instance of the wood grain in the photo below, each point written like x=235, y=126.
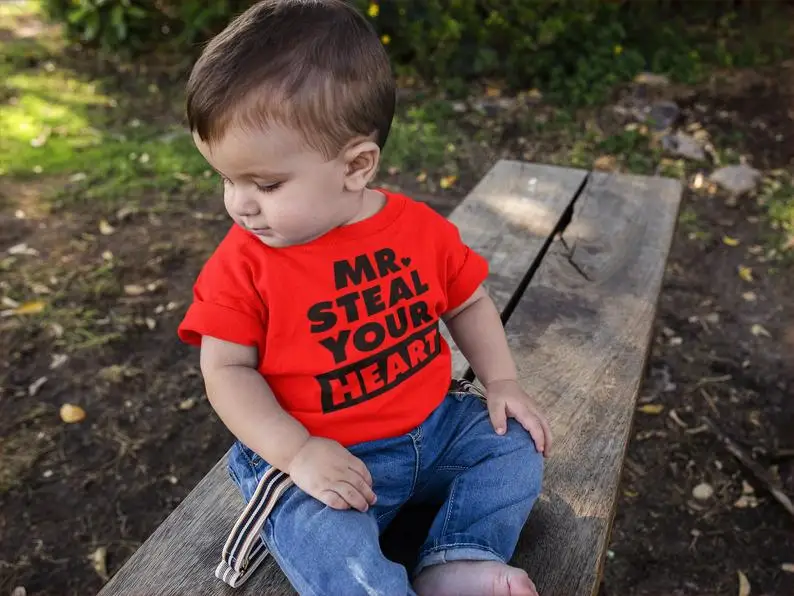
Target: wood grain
x=580, y=336
x=508, y=217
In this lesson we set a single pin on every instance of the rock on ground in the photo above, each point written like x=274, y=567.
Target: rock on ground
x=737, y=179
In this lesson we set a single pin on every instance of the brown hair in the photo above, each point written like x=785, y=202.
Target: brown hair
x=312, y=65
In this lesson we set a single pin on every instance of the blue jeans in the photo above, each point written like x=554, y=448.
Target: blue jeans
x=487, y=483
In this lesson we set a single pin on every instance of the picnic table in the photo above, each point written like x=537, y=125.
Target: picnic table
x=577, y=260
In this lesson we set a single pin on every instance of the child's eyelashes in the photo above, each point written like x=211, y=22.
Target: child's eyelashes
x=268, y=187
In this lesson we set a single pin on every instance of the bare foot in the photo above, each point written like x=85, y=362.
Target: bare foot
x=474, y=578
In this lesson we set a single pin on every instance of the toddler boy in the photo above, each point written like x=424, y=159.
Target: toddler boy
x=318, y=320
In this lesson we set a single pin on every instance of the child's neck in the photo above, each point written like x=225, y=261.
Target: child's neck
x=372, y=201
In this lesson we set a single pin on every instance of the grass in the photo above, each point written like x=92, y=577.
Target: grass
x=57, y=122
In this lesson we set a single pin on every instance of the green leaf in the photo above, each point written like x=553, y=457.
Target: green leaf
x=118, y=22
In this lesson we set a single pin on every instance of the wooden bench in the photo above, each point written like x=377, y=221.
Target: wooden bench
x=577, y=261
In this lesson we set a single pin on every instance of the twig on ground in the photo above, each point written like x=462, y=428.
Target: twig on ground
x=753, y=466
x=710, y=381
x=710, y=401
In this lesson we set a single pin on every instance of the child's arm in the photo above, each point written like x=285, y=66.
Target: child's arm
x=246, y=405
x=478, y=331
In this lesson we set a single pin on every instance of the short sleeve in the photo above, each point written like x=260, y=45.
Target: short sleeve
x=465, y=269
x=226, y=303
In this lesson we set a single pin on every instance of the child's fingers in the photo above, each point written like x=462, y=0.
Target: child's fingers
x=360, y=468
x=498, y=415
x=351, y=495
x=361, y=485
x=546, y=433
x=331, y=499
x=531, y=422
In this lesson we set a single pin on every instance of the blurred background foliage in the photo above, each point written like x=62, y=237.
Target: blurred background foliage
x=575, y=51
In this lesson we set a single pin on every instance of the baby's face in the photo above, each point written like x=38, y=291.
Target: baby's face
x=277, y=188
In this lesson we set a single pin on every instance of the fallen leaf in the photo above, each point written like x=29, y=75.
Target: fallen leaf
x=34, y=387
x=447, y=181
x=19, y=591
x=58, y=360
x=759, y=330
x=134, y=290
x=730, y=241
x=393, y=171
x=698, y=181
x=535, y=94
x=605, y=163
x=23, y=249
x=491, y=91
x=30, y=308
x=631, y=493
x=71, y=413
x=105, y=228
x=126, y=212
x=749, y=296
x=653, y=409
x=789, y=244
x=421, y=177
x=787, y=567
x=187, y=404
x=703, y=491
x=57, y=330
x=150, y=323
x=107, y=255
x=78, y=177
x=746, y=273
x=9, y=302
x=112, y=374
x=40, y=289
x=98, y=560
x=744, y=584
x=652, y=79
x=746, y=501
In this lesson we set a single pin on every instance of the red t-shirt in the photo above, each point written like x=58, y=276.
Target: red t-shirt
x=346, y=326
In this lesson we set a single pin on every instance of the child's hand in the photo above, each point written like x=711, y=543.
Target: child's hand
x=507, y=399
x=331, y=474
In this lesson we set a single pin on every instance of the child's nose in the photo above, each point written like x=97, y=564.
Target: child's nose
x=245, y=204
x=249, y=207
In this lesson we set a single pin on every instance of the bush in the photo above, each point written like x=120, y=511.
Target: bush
x=141, y=25
x=573, y=50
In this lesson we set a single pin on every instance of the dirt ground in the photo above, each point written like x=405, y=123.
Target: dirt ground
x=76, y=500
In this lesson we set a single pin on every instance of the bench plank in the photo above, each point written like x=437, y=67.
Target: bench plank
x=581, y=334
x=508, y=218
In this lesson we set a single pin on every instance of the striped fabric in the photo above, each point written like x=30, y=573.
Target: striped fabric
x=244, y=550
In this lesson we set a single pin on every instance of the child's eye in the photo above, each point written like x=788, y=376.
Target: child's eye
x=269, y=187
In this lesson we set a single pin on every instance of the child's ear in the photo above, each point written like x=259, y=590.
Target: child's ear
x=361, y=164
